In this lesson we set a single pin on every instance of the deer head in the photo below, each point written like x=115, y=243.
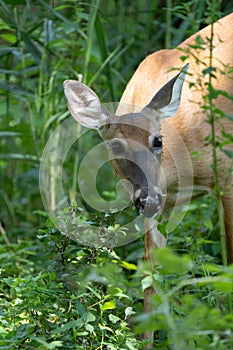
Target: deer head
x=134, y=140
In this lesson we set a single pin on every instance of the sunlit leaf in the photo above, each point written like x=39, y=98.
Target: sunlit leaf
x=109, y=305
x=172, y=263
x=114, y=319
x=147, y=282
x=224, y=286
x=129, y=311
x=128, y=266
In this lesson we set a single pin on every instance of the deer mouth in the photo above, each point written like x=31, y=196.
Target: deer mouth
x=148, y=205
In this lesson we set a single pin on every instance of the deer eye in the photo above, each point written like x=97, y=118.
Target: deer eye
x=155, y=143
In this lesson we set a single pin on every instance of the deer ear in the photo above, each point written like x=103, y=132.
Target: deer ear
x=167, y=99
x=84, y=105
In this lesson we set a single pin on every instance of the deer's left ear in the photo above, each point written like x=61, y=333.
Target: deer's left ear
x=84, y=105
x=167, y=99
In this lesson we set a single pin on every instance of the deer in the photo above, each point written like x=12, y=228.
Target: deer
x=158, y=138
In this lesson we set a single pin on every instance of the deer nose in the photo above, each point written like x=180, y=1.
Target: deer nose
x=148, y=204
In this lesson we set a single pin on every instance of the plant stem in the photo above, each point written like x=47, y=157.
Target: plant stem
x=75, y=171
x=215, y=159
x=168, y=24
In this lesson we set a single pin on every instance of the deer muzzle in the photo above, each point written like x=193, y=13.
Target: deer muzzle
x=149, y=203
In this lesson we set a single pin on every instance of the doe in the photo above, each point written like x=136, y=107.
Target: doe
x=159, y=139
x=166, y=161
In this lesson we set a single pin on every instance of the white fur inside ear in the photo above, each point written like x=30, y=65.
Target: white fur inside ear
x=84, y=105
x=172, y=107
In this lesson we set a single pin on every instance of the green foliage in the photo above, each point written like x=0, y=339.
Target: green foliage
x=74, y=302
x=189, y=312
x=56, y=293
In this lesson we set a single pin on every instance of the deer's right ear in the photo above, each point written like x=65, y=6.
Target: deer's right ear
x=84, y=105
x=167, y=99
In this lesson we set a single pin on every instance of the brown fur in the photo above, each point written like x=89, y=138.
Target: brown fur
x=190, y=121
x=187, y=153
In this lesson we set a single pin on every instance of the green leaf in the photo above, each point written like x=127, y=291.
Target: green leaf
x=89, y=328
x=183, y=58
x=208, y=223
x=230, y=117
x=32, y=47
x=128, y=266
x=9, y=133
x=129, y=312
x=109, y=305
x=210, y=268
x=147, y=282
x=199, y=40
x=24, y=330
x=224, y=286
x=114, y=319
x=209, y=70
x=87, y=316
x=18, y=156
x=172, y=263
x=49, y=346
x=10, y=37
x=228, y=152
x=69, y=325
x=10, y=17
